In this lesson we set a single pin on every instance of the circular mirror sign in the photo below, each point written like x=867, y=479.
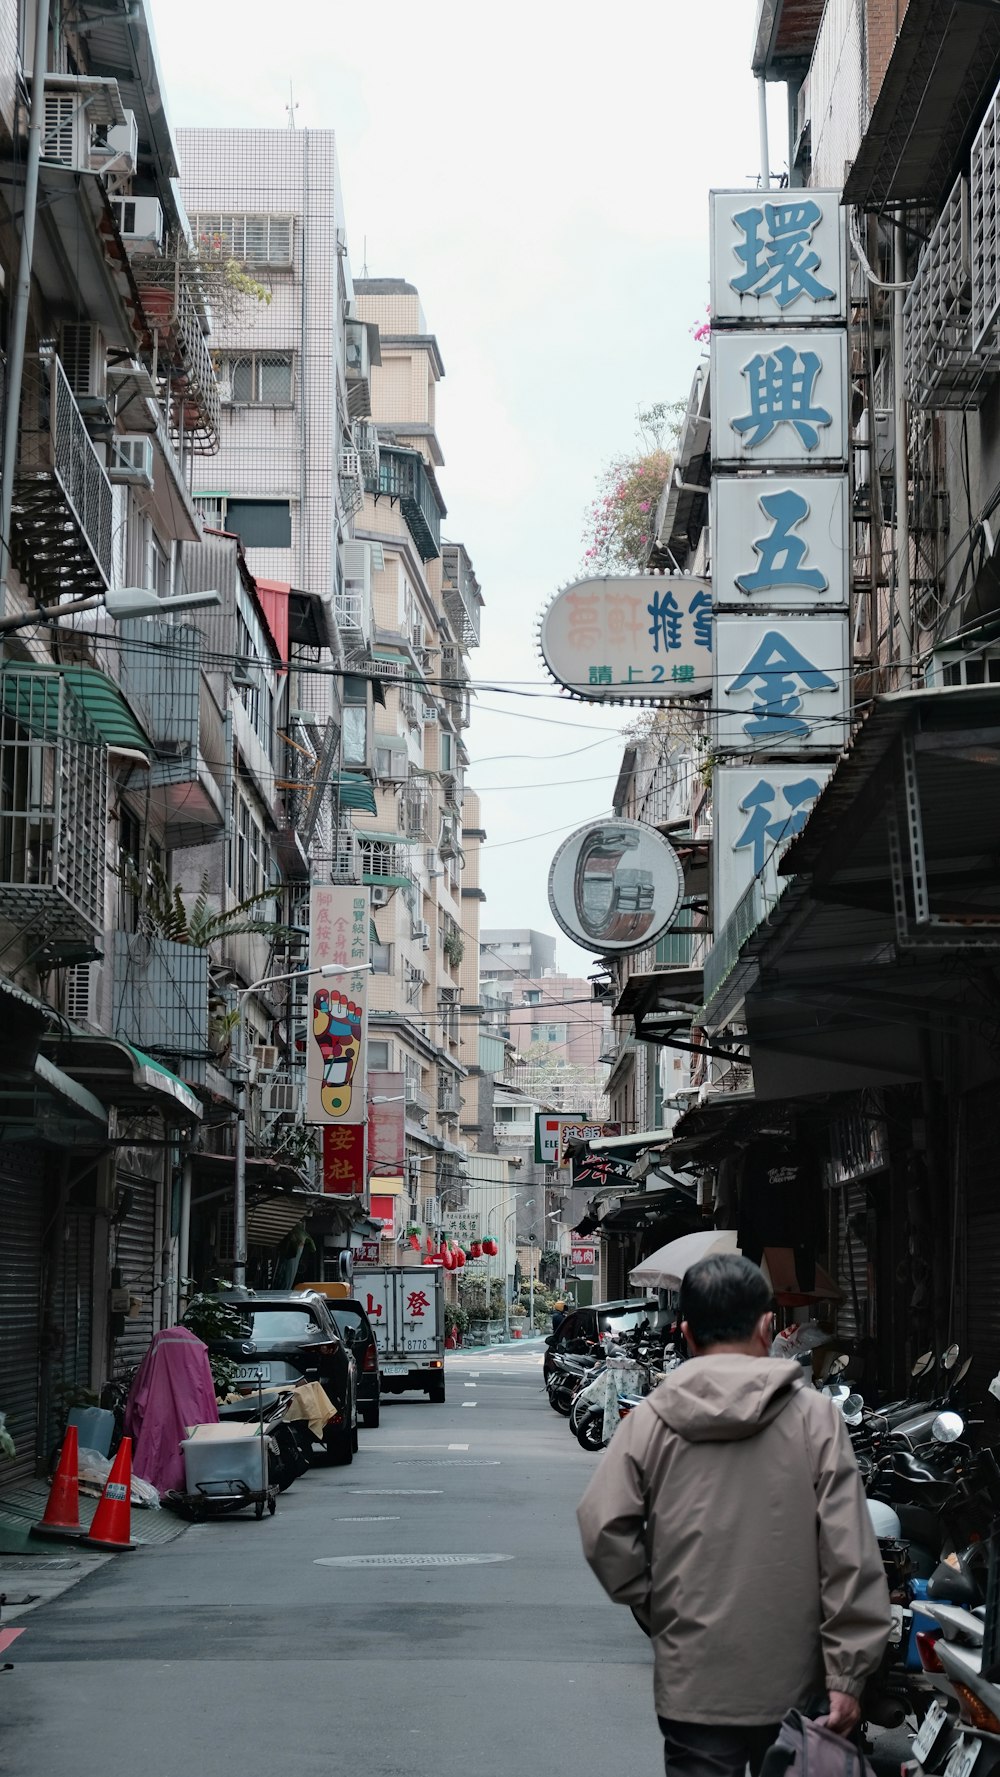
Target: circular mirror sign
x=616, y=885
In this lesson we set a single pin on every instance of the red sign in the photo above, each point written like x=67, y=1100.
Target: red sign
x=583, y=1256
x=384, y=1210
x=386, y=1119
x=343, y=1159
x=367, y=1253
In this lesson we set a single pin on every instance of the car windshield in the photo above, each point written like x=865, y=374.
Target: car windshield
x=623, y=1320
x=282, y=1323
x=346, y=1317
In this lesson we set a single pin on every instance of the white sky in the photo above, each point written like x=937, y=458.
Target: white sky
x=541, y=173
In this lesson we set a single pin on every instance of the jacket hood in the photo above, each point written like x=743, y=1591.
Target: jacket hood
x=719, y=1399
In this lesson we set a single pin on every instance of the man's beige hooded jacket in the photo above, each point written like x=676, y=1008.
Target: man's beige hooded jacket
x=729, y=1512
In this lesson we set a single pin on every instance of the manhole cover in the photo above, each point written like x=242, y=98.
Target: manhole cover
x=409, y=1560
x=32, y=1563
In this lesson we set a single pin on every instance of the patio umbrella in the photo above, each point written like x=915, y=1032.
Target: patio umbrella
x=664, y=1269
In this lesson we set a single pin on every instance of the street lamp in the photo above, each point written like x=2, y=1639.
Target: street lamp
x=512, y=1217
x=240, y=1199
x=119, y=602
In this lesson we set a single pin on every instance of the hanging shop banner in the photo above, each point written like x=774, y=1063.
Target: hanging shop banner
x=779, y=397
x=783, y=684
x=386, y=1123
x=583, y=1258
x=366, y=1253
x=547, y=1127
x=756, y=811
x=778, y=260
x=780, y=542
x=633, y=637
x=339, y=925
x=615, y=886
x=595, y=1170
x=583, y=1132
x=343, y=1159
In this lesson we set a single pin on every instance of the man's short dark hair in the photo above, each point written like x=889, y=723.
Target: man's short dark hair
x=722, y=1299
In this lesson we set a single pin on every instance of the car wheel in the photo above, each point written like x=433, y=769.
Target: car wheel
x=370, y=1416
x=436, y=1392
x=354, y=1438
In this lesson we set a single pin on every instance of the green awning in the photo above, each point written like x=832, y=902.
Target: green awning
x=387, y=838
x=355, y=791
x=25, y=698
x=165, y=1081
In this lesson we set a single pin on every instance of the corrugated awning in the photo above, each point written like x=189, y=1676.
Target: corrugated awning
x=942, y=73
x=118, y=1074
x=102, y=702
x=355, y=792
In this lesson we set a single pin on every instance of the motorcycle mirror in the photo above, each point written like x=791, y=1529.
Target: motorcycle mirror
x=947, y=1428
x=853, y=1409
x=922, y=1364
x=838, y=1391
x=949, y=1358
x=961, y=1372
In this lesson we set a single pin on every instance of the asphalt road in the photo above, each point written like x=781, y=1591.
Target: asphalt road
x=240, y=1650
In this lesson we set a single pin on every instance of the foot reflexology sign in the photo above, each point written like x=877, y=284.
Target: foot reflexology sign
x=339, y=925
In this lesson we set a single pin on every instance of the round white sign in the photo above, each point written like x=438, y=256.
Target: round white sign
x=616, y=885
x=634, y=638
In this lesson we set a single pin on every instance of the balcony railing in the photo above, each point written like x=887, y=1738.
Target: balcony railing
x=758, y=902
x=62, y=519
x=160, y=671
x=382, y=862
x=53, y=809
x=403, y=476
x=945, y=364
x=159, y=1000
x=184, y=361
x=462, y=598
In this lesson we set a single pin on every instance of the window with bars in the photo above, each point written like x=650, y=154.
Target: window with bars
x=255, y=240
x=250, y=866
x=257, y=379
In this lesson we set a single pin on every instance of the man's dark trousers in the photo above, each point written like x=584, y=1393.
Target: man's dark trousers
x=714, y=1749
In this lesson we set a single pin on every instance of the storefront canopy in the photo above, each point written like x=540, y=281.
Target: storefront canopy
x=100, y=697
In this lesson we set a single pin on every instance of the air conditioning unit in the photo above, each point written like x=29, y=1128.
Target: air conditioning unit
x=432, y=864
x=350, y=465
x=67, y=130
x=266, y=1057
x=132, y=460
x=83, y=358
x=119, y=149
x=382, y=894
x=140, y=223
x=420, y=931
x=83, y=986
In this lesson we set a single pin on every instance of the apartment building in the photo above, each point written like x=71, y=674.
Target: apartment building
x=418, y=847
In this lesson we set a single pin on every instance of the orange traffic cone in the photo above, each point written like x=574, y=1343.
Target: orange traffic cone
x=61, y=1518
x=113, y=1517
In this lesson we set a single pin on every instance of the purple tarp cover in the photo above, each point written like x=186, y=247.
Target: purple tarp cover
x=172, y=1389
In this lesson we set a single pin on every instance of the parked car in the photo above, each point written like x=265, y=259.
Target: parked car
x=581, y=1328
x=358, y=1334
x=292, y=1336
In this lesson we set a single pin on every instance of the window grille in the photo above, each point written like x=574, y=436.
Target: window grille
x=985, y=228
x=941, y=368
x=258, y=379
x=255, y=240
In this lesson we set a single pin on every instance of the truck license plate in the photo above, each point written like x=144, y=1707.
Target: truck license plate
x=395, y=1369
x=963, y=1756
x=930, y=1730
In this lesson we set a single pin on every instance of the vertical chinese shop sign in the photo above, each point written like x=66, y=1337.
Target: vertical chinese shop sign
x=339, y=922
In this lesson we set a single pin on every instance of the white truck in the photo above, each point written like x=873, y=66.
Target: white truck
x=405, y=1305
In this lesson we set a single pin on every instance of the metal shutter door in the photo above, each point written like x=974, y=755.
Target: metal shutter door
x=22, y=1226
x=849, y=1260
x=982, y=1235
x=73, y=1302
x=140, y=1269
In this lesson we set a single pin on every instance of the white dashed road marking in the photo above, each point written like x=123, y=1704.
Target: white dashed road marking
x=470, y=1403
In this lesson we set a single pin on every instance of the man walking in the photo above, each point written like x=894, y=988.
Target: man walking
x=728, y=1512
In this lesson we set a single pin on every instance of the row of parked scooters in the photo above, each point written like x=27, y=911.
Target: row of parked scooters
x=931, y=1474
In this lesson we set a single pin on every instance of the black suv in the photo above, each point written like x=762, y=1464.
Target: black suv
x=357, y=1333
x=582, y=1327
x=291, y=1336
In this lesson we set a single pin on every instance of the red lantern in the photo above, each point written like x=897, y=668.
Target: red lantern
x=490, y=1246
x=447, y=1259
x=459, y=1259
x=415, y=1242
x=476, y=1249
x=430, y=1246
